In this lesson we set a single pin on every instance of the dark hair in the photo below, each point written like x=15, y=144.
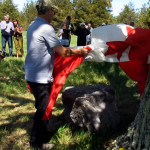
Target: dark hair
x=41, y=10
x=68, y=17
x=131, y=23
x=15, y=20
x=64, y=23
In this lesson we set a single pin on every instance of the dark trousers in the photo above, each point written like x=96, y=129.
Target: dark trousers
x=7, y=38
x=40, y=133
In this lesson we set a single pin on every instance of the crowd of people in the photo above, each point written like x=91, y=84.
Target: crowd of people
x=9, y=31
x=12, y=31
x=83, y=33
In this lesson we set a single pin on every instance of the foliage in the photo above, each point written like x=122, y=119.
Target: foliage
x=144, y=16
x=127, y=15
x=7, y=7
x=80, y=11
x=97, y=11
x=140, y=16
x=28, y=14
x=61, y=13
x=81, y=8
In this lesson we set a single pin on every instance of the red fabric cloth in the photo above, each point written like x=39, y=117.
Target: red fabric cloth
x=62, y=68
x=137, y=68
x=29, y=88
x=138, y=39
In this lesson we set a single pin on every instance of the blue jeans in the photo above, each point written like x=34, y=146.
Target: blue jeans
x=7, y=38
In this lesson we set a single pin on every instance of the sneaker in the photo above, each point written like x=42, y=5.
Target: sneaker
x=39, y=146
x=43, y=147
x=47, y=146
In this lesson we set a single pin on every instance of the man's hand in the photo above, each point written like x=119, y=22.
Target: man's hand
x=84, y=51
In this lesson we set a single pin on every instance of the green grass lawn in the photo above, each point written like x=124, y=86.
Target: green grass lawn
x=17, y=105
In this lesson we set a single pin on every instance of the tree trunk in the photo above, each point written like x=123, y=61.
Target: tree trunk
x=137, y=136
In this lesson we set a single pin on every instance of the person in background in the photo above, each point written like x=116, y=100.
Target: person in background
x=64, y=35
x=70, y=27
x=42, y=43
x=103, y=24
x=132, y=23
x=81, y=33
x=148, y=25
x=7, y=29
x=88, y=37
x=18, y=38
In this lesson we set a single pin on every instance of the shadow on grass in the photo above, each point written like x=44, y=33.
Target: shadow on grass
x=20, y=119
x=19, y=103
x=125, y=95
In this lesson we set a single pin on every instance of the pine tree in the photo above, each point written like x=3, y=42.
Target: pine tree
x=28, y=14
x=127, y=15
x=7, y=7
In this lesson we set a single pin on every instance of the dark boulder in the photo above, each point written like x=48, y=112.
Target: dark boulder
x=92, y=107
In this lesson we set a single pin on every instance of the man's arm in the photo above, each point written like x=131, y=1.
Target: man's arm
x=67, y=51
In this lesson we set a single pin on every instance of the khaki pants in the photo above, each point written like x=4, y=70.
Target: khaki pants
x=19, y=44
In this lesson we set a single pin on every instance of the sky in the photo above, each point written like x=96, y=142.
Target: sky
x=117, y=5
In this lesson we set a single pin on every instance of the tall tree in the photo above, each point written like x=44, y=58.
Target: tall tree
x=96, y=11
x=108, y=2
x=64, y=9
x=29, y=13
x=7, y=7
x=127, y=15
x=100, y=13
x=82, y=11
x=144, y=15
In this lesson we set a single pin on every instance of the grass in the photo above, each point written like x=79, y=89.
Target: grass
x=17, y=105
